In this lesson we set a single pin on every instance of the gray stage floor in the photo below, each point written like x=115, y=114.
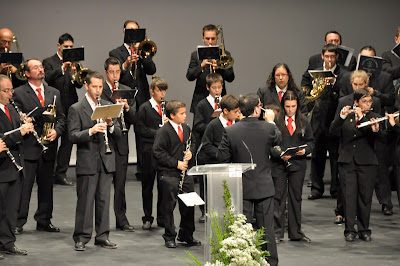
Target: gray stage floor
x=328, y=246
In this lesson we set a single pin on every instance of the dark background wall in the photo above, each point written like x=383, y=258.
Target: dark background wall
x=258, y=34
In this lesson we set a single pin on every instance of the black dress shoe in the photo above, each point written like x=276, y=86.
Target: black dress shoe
x=202, y=219
x=302, y=239
x=386, y=210
x=126, y=228
x=170, y=244
x=79, y=246
x=1, y=257
x=338, y=219
x=14, y=251
x=18, y=230
x=146, y=225
x=365, y=237
x=314, y=197
x=63, y=182
x=350, y=237
x=48, y=228
x=105, y=244
x=190, y=241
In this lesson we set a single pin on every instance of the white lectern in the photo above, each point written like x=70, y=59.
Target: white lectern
x=213, y=175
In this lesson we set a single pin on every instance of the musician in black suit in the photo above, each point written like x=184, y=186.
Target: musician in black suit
x=279, y=81
x=145, y=66
x=335, y=38
x=321, y=117
x=391, y=63
x=172, y=152
x=37, y=163
x=94, y=168
x=258, y=187
x=58, y=75
x=288, y=171
x=150, y=118
x=393, y=130
x=198, y=70
x=6, y=40
x=10, y=177
x=112, y=71
x=357, y=163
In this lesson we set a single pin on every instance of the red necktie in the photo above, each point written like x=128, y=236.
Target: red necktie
x=159, y=110
x=7, y=112
x=357, y=122
x=229, y=123
x=290, y=126
x=180, y=133
x=113, y=89
x=39, y=90
x=216, y=104
x=280, y=95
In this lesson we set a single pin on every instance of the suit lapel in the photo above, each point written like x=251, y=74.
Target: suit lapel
x=275, y=96
x=32, y=94
x=107, y=91
x=4, y=118
x=87, y=109
x=48, y=96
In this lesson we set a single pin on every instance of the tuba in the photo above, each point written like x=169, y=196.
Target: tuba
x=49, y=119
x=225, y=61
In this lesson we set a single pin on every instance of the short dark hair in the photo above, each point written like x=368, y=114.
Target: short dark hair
x=334, y=32
x=158, y=82
x=248, y=102
x=91, y=75
x=111, y=61
x=65, y=37
x=129, y=21
x=212, y=78
x=173, y=107
x=361, y=93
x=26, y=63
x=273, y=107
x=210, y=27
x=329, y=48
x=229, y=102
x=368, y=48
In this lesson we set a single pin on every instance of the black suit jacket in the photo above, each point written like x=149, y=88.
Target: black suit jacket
x=195, y=72
x=90, y=147
x=391, y=64
x=316, y=61
x=26, y=99
x=356, y=143
x=383, y=89
x=269, y=96
x=349, y=100
x=393, y=133
x=122, y=145
x=13, y=141
x=55, y=78
x=145, y=66
x=259, y=136
x=212, y=137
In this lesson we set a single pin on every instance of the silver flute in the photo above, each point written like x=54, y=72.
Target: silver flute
x=124, y=129
x=364, y=124
x=22, y=117
x=106, y=143
x=362, y=110
x=183, y=173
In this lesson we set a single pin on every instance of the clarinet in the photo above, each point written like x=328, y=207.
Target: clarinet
x=218, y=100
x=162, y=112
x=22, y=117
x=124, y=129
x=19, y=167
x=108, y=150
x=183, y=174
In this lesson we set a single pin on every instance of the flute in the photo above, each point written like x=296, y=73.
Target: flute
x=364, y=124
x=362, y=110
x=187, y=149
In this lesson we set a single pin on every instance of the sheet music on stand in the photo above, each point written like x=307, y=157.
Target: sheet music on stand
x=107, y=111
x=191, y=199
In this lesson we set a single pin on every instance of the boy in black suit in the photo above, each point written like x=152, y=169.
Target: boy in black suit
x=172, y=162
x=150, y=119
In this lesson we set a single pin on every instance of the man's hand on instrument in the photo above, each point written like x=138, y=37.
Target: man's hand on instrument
x=109, y=122
x=391, y=119
x=375, y=126
x=124, y=101
x=26, y=128
x=188, y=156
x=52, y=135
x=182, y=165
x=99, y=127
x=345, y=111
x=3, y=146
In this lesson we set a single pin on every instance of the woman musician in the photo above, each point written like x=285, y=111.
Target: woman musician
x=288, y=171
x=357, y=163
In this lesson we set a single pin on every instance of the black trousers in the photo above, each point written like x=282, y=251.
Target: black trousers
x=42, y=169
x=358, y=187
x=385, y=154
x=93, y=191
x=397, y=181
x=286, y=184
x=264, y=212
x=119, y=180
x=63, y=156
x=148, y=178
x=10, y=195
x=324, y=143
x=170, y=197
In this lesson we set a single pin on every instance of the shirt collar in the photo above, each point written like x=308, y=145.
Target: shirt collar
x=224, y=121
x=35, y=87
x=332, y=69
x=279, y=89
x=91, y=102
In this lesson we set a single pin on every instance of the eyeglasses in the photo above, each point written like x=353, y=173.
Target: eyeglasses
x=366, y=101
x=8, y=91
x=37, y=67
x=114, y=72
x=6, y=42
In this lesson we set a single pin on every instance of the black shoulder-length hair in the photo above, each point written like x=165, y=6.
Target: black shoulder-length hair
x=291, y=95
x=271, y=79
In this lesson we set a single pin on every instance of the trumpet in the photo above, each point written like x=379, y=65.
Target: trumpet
x=124, y=129
x=378, y=120
x=183, y=173
x=23, y=119
x=225, y=61
x=49, y=119
x=162, y=112
x=106, y=143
